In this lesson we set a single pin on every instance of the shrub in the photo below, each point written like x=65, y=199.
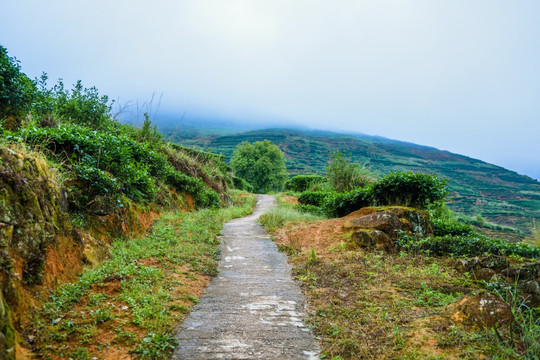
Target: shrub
x=472, y=245
x=309, y=209
x=409, y=189
x=315, y=198
x=301, y=183
x=17, y=91
x=242, y=184
x=345, y=175
x=341, y=204
x=82, y=106
x=443, y=227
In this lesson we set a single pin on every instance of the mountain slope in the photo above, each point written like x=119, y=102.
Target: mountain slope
x=500, y=195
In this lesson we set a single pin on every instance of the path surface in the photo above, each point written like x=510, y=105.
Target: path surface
x=253, y=309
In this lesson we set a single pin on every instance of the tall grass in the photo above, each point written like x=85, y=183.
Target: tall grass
x=276, y=217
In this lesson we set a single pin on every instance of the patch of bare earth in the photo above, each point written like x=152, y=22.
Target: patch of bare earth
x=374, y=305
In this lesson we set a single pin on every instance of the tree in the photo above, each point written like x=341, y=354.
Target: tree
x=262, y=164
x=345, y=175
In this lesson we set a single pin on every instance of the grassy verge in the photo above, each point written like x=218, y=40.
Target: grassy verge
x=375, y=305
x=130, y=304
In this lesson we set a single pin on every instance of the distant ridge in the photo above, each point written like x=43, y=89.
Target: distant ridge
x=499, y=195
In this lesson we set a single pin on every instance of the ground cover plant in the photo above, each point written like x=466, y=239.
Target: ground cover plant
x=131, y=304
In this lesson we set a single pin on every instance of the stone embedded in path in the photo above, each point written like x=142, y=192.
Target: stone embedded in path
x=253, y=309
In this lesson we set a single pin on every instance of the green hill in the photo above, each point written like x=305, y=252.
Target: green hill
x=499, y=195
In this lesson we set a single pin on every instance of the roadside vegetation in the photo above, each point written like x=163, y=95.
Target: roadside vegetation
x=82, y=190
x=132, y=303
x=368, y=303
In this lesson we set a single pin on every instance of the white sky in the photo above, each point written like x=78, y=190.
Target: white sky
x=459, y=75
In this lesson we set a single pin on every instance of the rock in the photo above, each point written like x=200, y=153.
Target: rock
x=418, y=219
x=484, y=274
x=531, y=288
x=383, y=221
x=520, y=273
x=373, y=239
x=482, y=310
x=466, y=265
x=495, y=262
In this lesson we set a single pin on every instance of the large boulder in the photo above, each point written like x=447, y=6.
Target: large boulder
x=480, y=311
x=383, y=221
x=373, y=239
x=379, y=227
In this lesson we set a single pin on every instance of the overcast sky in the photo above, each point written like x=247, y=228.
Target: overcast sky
x=459, y=75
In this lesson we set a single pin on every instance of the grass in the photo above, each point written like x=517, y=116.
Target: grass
x=131, y=303
x=276, y=217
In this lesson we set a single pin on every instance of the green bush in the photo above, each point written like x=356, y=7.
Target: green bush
x=341, y=204
x=442, y=227
x=301, y=183
x=409, y=189
x=80, y=105
x=309, y=209
x=17, y=91
x=242, y=184
x=344, y=175
x=316, y=198
x=473, y=245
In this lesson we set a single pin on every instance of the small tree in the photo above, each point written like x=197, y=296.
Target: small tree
x=345, y=175
x=262, y=164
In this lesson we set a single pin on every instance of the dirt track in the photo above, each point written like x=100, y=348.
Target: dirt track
x=253, y=309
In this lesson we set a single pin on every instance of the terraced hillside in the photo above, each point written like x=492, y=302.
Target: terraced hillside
x=501, y=196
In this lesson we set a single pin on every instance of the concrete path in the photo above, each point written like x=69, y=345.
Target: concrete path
x=253, y=309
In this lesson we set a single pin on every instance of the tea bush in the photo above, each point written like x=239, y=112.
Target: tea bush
x=442, y=227
x=301, y=183
x=309, y=209
x=315, y=198
x=134, y=167
x=472, y=245
x=409, y=189
x=341, y=204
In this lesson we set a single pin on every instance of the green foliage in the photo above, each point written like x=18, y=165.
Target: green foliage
x=300, y=183
x=309, y=209
x=80, y=105
x=316, y=198
x=114, y=165
x=156, y=346
x=465, y=245
x=276, y=217
x=409, y=189
x=242, y=184
x=149, y=133
x=17, y=91
x=341, y=204
x=442, y=227
x=345, y=175
x=262, y=164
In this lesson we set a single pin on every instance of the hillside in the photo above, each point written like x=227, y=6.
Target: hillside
x=501, y=196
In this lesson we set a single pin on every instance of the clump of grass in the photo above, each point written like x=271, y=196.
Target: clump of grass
x=276, y=217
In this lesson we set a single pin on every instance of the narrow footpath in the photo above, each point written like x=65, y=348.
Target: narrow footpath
x=253, y=309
